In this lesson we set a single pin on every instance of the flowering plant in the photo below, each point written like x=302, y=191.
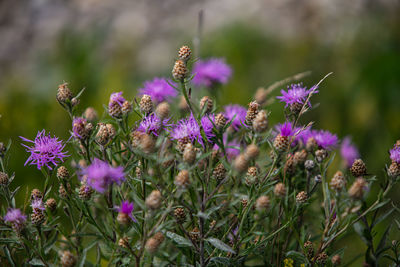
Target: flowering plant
x=216, y=186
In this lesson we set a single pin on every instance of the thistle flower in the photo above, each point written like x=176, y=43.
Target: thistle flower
x=159, y=89
x=236, y=113
x=281, y=142
x=325, y=139
x=125, y=212
x=187, y=129
x=348, y=151
x=100, y=175
x=15, y=216
x=210, y=72
x=207, y=124
x=152, y=124
x=46, y=150
x=296, y=96
x=395, y=154
x=81, y=128
x=37, y=204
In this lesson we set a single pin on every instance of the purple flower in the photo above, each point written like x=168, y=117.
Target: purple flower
x=325, y=139
x=237, y=113
x=349, y=151
x=37, y=204
x=116, y=98
x=187, y=129
x=15, y=216
x=45, y=151
x=210, y=72
x=126, y=208
x=208, y=126
x=395, y=154
x=152, y=124
x=79, y=127
x=100, y=175
x=296, y=93
x=286, y=129
x=159, y=89
x=232, y=149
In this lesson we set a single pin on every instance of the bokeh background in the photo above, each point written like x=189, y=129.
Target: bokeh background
x=109, y=46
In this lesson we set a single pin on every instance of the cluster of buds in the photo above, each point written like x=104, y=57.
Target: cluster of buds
x=105, y=133
x=180, y=71
x=338, y=181
x=252, y=112
x=251, y=176
x=219, y=172
x=358, y=168
x=146, y=104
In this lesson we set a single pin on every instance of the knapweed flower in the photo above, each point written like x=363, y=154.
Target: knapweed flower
x=188, y=130
x=395, y=154
x=115, y=104
x=46, y=150
x=325, y=139
x=125, y=212
x=349, y=151
x=237, y=113
x=296, y=96
x=152, y=124
x=286, y=129
x=15, y=216
x=210, y=72
x=159, y=89
x=232, y=148
x=282, y=141
x=207, y=124
x=100, y=175
x=37, y=204
x=81, y=128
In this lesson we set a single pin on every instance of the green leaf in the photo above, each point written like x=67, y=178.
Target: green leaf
x=222, y=260
x=220, y=245
x=36, y=262
x=180, y=240
x=381, y=247
x=8, y=254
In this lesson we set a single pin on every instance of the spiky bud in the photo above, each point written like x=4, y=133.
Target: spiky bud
x=63, y=193
x=260, y=122
x=321, y=258
x=180, y=215
x=36, y=194
x=147, y=143
x=358, y=168
x=51, y=204
x=338, y=181
x=220, y=120
x=219, y=172
x=62, y=173
x=163, y=110
x=182, y=179
x=85, y=192
x=244, y=202
x=309, y=165
x=195, y=234
x=181, y=144
x=38, y=217
x=123, y=218
x=251, y=176
x=281, y=143
x=180, y=71
x=67, y=259
x=262, y=203
x=301, y=197
x=311, y=144
x=358, y=188
x=241, y=163
x=252, y=151
x=90, y=114
x=280, y=190
x=206, y=103
x=3, y=178
x=185, y=53
x=64, y=93
x=261, y=96
x=102, y=135
x=153, y=201
x=145, y=104
x=124, y=242
x=300, y=157
x=252, y=111
x=189, y=153
x=290, y=166
x=309, y=248
x=154, y=242
x=336, y=260
x=394, y=170
x=126, y=107
x=321, y=155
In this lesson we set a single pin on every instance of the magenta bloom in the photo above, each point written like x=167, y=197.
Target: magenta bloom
x=100, y=175
x=286, y=129
x=46, y=150
x=152, y=124
x=395, y=154
x=37, y=204
x=349, y=151
x=116, y=98
x=210, y=72
x=126, y=208
x=159, y=89
x=15, y=216
x=232, y=148
x=208, y=126
x=296, y=93
x=237, y=113
x=325, y=139
x=78, y=124
x=187, y=129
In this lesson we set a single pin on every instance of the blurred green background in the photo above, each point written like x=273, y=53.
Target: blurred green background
x=109, y=47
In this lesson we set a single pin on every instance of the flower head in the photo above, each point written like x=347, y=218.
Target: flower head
x=395, y=154
x=325, y=139
x=211, y=72
x=100, y=175
x=15, y=216
x=187, y=129
x=127, y=208
x=116, y=98
x=286, y=129
x=46, y=150
x=159, y=89
x=80, y=128
x=237, y=113
x=37, y=204
x=207, y=124
x=152, y=124
x=349, y=151
x=296, y=93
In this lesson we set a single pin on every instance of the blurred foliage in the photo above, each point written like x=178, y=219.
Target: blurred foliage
x=361, y=98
